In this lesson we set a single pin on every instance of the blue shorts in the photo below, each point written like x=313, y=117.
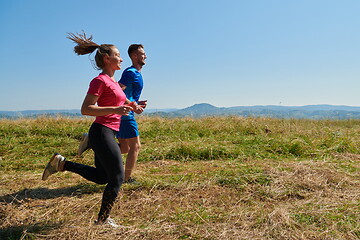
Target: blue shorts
x=128, y=129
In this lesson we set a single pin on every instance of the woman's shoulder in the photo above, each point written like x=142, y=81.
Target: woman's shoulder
x=103, y=78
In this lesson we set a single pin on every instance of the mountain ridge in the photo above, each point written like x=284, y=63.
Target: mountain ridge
x=321, y=111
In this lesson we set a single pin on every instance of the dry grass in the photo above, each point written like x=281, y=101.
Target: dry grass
x=241, y=197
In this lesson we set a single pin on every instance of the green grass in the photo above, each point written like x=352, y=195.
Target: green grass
x=208, y=178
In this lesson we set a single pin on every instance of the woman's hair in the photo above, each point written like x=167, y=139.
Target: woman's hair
x=85, y=45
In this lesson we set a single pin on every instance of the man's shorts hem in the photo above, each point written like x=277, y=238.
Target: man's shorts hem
x=128, y=129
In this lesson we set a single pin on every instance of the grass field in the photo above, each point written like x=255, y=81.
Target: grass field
x=209, y=178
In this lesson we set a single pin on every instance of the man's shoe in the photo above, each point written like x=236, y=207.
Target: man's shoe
x=84, y=144
x=52, y=166
x=131, y=181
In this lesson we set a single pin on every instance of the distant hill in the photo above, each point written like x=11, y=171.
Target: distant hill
x=308, y=112
x=205, y=109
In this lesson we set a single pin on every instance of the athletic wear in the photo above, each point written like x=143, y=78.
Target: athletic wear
x=132, y=79
x=108, y=166
x=108, y=222
x=128, y=129
x=131, y=181
x=84, y=144
x=108, y=162
x=110, y=94
x=52, y=166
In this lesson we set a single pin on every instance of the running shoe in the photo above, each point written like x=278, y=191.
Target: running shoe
x=84, y=144
x=131, y=181
x=109, y=222
x=52, y=166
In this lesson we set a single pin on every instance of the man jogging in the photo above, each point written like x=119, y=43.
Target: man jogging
x=132, y=84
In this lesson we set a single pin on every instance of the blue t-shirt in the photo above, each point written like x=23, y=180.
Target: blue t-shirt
x=133, y=81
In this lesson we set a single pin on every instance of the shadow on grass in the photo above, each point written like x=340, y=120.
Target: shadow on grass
x=46, y=193
x=25, y=231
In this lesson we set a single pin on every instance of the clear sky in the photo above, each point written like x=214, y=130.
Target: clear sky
x=222, y=52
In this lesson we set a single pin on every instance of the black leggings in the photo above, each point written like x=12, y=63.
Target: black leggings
x=108, y=168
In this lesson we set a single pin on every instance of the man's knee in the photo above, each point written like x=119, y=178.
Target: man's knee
x=135, y=147
x=124, y=147
x=134, y=144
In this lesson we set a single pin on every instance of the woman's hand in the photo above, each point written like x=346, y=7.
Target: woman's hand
x=90, y=108
x=124, y=110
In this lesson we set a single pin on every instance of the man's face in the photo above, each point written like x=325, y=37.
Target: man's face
x=141, y=56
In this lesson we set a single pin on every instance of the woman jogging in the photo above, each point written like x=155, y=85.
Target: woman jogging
x=104, y=100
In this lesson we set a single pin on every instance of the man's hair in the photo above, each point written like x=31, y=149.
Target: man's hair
x=134, y=48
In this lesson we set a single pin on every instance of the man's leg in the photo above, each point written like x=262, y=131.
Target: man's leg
x=131, y=158
x=124, y=147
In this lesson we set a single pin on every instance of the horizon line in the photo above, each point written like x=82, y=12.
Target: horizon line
x=259, y=105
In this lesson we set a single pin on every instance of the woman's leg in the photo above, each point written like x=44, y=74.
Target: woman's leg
x=108, y=158
x=93, y=174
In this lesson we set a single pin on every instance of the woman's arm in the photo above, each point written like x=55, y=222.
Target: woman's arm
x=90, y=108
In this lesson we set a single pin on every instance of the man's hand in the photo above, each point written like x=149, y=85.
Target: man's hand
x=135, y=107
x=143, y=103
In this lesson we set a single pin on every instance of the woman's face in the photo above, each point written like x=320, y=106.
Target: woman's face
x=114, y=59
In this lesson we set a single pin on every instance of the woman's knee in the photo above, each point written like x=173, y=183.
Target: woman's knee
x=102, y=180
x=117, y=179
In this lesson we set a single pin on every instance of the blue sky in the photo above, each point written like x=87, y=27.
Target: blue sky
x=226, y=53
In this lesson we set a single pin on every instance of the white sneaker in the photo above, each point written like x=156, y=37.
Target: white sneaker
x=84, y=144
x=52, y=166
x=109, y=222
